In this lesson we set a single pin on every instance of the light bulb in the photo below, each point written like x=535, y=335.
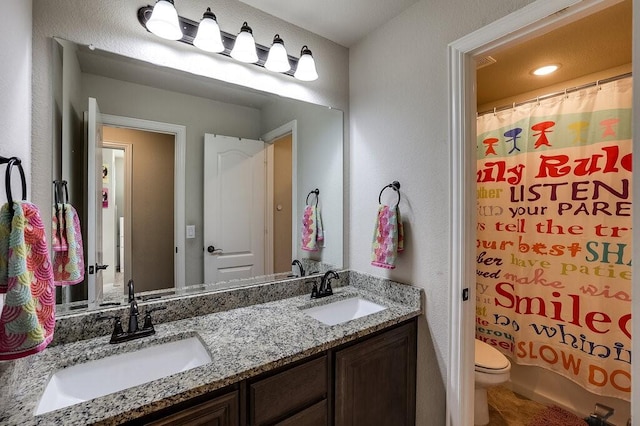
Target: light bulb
x=306, y=70
x=244, y=48
x=208, y=37
x=164, y=21
x=547, y=69
x=277, y=61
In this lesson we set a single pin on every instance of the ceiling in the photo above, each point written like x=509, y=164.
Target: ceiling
x=598, y=42
x=592, y=44
x=344, y=22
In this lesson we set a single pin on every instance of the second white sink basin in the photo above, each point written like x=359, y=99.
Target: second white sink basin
x=343, y=310
x=89, y=380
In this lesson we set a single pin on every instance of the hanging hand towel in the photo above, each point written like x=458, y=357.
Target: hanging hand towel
x=312, y=231
x=68, y=259
x=388, y=237
x=59, y=236
x=28, y=315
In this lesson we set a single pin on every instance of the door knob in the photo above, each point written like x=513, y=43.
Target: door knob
x=213, y=250
x=101, y=267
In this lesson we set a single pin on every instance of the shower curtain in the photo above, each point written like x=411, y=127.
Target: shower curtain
x=553, y=265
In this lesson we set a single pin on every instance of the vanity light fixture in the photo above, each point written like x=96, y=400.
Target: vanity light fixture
x=208, y=37
x=277, y=60
x=164, y=21
x=545, y=70
x=306, y=70
x=204, y=36
x=244, y=48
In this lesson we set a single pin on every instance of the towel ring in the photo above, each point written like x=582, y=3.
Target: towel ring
x=7, y=181
x=315, y=191
x=395, y=185
x=58, y=185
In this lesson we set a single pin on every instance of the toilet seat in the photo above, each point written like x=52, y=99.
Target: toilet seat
x=489, y=360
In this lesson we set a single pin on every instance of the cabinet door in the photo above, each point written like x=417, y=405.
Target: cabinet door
x=376, y=380
x=220, y=411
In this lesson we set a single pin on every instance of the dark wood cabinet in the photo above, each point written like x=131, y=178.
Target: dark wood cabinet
x=220, y=411
x=375, y=380
x=370, y=381
x=316, y=415
x=286, y=395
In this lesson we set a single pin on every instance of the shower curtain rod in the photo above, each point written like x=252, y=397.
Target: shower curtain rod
x=554, y=94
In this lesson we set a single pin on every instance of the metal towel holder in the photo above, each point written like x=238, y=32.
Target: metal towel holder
x=395, y=185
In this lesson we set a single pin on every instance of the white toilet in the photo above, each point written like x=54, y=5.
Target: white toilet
x=492, y=368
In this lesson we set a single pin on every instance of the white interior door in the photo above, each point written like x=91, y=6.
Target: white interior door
x=94, y=204
x=234, y=208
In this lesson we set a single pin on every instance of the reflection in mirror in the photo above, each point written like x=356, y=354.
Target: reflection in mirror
x=204, y=183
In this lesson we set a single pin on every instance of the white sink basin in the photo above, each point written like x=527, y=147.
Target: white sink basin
x=100, y=377
x=343, y=310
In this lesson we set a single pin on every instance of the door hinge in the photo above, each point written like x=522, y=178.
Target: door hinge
x=176, y=249
x=465, y=294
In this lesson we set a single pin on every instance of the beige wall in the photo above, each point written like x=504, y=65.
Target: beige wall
x=152, y=240
x=527, y=96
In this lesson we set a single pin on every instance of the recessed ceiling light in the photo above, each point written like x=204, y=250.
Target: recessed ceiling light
x=545, y=70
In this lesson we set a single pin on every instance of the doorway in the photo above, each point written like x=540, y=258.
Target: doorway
x=528, y=22
x=116, y=189
x=163, y=179
x=143, y=202
x=282, y=207
x=282, y=199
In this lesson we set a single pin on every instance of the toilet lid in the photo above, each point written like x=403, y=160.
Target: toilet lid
x=489, y=358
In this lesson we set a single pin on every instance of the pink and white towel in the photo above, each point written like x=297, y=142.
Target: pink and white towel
x=68, y=254
x=388, y=237
x=312, y=231
x=28, y=315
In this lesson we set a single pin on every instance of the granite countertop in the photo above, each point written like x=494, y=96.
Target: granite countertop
x=243, y=342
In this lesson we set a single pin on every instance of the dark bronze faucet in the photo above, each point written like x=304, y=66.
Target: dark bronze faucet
x=325, y=285
x=297, y=262
x=133, y=310
x=133, y=331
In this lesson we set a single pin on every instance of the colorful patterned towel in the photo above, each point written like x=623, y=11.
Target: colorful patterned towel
x=68, y=258
x=28, y=315
x=388, y=237
x=312, y=231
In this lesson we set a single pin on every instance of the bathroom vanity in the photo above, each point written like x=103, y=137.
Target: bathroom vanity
x=370, y=381
x=271, y=363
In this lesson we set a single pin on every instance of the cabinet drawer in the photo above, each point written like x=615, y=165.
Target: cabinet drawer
x=316, y=415
x=287, y=392
x=220, y=411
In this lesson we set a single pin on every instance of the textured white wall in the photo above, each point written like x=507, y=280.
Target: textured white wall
x=15, y=89
x=398, y=131
x=113, y=26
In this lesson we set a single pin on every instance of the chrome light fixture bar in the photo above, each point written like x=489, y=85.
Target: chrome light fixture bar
x=190, y=29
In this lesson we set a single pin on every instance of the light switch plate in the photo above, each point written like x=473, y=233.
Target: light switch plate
x=191, y=231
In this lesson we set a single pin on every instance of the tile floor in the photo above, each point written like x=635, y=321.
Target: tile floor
x=507, y=408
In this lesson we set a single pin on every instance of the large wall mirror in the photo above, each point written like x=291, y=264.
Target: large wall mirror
x=198, y=184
